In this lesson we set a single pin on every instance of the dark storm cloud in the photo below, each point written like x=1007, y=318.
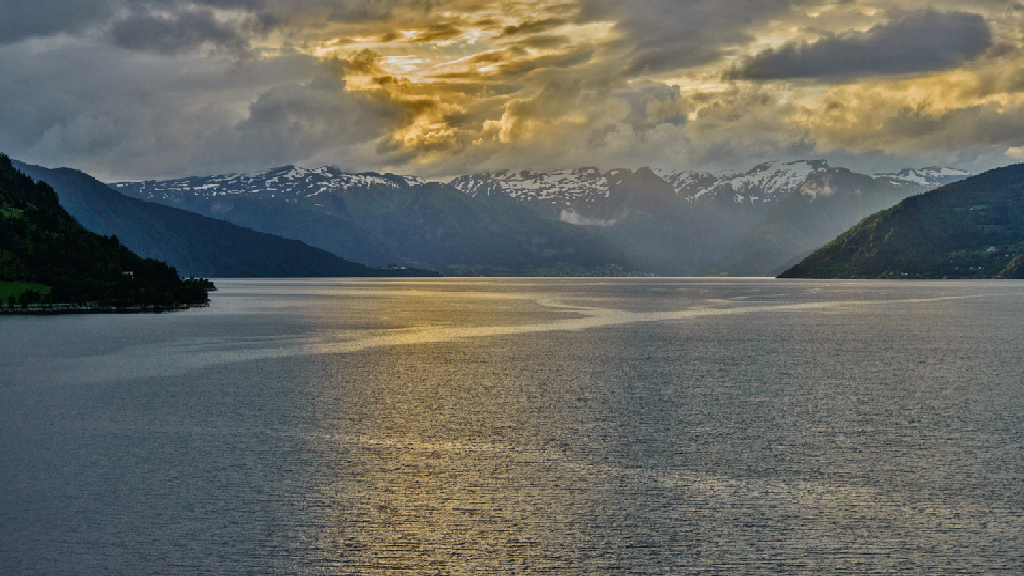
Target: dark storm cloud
x=667, y=35
x=920, y=42
x=533, y=27
x=176, y=33
x=652, y=105
x=22, y=19
x=177, y=25
x=302, y=119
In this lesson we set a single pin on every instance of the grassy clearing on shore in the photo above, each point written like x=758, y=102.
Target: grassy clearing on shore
x=16, y=289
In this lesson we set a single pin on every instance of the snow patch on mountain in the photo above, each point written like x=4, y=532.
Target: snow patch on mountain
x=932, y=176
x=586, y=196
x=571, y=185
x=286, y=181
x=766, y=182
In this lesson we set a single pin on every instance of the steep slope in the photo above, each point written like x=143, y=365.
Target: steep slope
x=194, y=244
x=973, y=228
x=826, y=205
x=43, y=247
x=390, y=219
x=289, y=202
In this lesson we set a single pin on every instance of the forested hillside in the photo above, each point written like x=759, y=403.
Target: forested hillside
x=48, y=257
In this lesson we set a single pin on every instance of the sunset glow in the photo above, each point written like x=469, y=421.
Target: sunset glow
x=440, y=88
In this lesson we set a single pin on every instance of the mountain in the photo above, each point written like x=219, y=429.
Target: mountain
x=973, y=228
x=751, y=222
x=585, y=196
x=638, y=211
x=286, y=202
x=195, y=245
x=671, y=223
x=46, y=256
x=765, y=183
x=384, y=219
x=826, y=205
x=931, y=177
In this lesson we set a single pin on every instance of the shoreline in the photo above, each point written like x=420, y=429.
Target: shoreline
x=55, y=309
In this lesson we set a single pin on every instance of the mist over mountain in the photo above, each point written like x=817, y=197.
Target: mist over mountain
x=826, y=205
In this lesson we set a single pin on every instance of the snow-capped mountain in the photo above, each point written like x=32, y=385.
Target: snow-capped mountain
x=576, y=190
x=384, y=219
x=931, y=177
x=765, y=183
x=287, y=182
x=569, y=184
x=663, y=221
x=582, y=196
x=568, y=189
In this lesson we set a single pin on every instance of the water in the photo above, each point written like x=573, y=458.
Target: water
x=475, y=426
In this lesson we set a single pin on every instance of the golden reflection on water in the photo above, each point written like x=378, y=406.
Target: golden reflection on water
x=425, y=330
x=456, y=460
x=520, y=427
x=436, y=475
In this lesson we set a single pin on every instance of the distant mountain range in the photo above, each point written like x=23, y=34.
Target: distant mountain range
x=383, y=219
x=582, y=221
x=589, y=197
x=973, y=228
x=746, y=223
x=930, y=177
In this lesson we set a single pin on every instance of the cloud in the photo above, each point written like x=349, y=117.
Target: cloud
x=139, y=114
x=669, y=35
x=156, y=88
x=174, y=33
x=301, y=121
x=533, y=27
x=25, y=19
x=873, y=122
x=919, y=42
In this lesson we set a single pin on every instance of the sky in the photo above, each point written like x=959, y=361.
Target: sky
x=126, y=89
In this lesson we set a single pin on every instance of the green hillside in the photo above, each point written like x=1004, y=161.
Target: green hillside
x=969, y=229
x=47, y=257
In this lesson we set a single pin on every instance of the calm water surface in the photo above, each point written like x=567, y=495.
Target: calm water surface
x=478, y=426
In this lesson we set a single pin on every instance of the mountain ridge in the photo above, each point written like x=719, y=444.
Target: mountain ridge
x=671, y=223
x=383, y=219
